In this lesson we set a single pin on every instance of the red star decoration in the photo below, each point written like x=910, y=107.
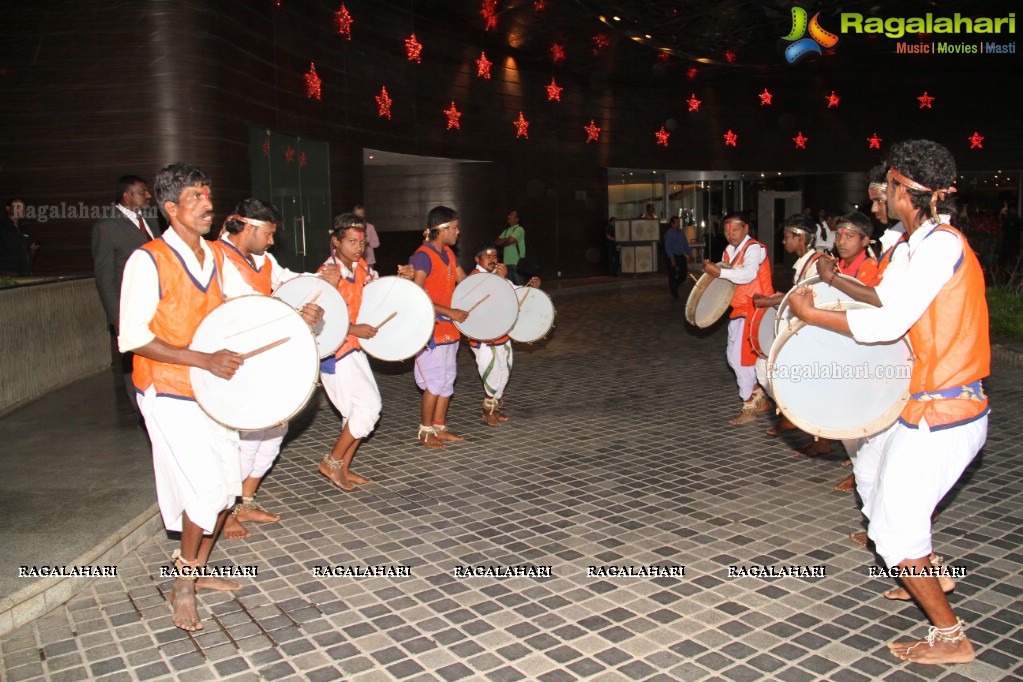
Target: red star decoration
x=289, y=154
x=483, y=66
x=663, y=57
x=731, y=138
x=874, y=141
x=557, y=52
x=833, y=99
x=383, y=104
x=453, y=115
x=521, y=127
x=765, y=98
x=694, y=104
x=975, y=140
x=691, y=73
x=343, y=21
x=592, y=132
x=412, y=48
x=600, y=42
x=303, y=160
x=800, y=140
x=730, y=57
x=925, y=100
x=489, y=13
x=266, y=146
x=554, y=92
x=539, y=5
x=312, y=83
x=662, y=136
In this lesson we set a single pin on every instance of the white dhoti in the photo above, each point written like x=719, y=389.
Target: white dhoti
x=195, y=460
x=494, y=363
x=353, y=390
x=745, y=377
x=760, y=369
x=259, y=449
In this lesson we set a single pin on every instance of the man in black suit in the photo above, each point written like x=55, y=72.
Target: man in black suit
x=114, y=238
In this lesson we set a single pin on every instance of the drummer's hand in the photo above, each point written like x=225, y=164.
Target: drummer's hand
x=534, y=282
x=311, y=313
x=801, y=301
x=711, y=269
x=761, y=301
x=223, y=363
x=406, y=271
x=332, y=274
x=501, y=270
x=826, y=268
x=362, y=331
x=458, y=315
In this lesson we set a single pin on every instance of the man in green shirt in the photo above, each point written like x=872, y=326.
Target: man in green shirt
x=513, y=240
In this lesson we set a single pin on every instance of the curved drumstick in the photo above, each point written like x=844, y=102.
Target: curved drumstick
x=388, y=319
x=263, y=349
x=476, y=304
x=525, y=296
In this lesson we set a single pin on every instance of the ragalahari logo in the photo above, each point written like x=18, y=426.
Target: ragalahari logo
x=801, y=45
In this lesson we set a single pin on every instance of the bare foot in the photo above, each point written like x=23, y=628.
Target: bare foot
x=448, y=436
x=357, y=479
x=819, y=447
x=938, y=653
x=900, y=594
x=502, y=416
x=743, y=418
x=847, y=484
x=860, y=539
x=258, y=515
x=492, y=418
x=764, y=406
x=183, y=609
x=217, y=584
x=783, y=425
x=336, y=477
x=235, y=530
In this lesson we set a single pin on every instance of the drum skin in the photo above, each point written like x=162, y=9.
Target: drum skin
x=269, y=388
x=709, y=299
x=497, y=309
x=406, y=333
x=332, y=330
x=536, y=315
x=822, y=293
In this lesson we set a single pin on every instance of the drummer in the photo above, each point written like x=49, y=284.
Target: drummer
x=751, y=272
x=247, y=234
x=939, y=300
x=437, y=272
x=494, y=358
x=169, y=285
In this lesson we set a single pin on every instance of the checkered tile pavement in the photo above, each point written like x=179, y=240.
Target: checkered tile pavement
x=618, y=452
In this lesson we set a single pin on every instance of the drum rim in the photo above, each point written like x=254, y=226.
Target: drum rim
x=429, y=333
x=307, y=275
x=701, y=285
x=304, y=402
x=503, y=333
x=873, y=427
x=805, y=282
x=754, y=338
x=511, y=332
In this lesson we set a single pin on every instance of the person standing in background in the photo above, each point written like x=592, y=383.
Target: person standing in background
x=513, y=239
x=372, y=240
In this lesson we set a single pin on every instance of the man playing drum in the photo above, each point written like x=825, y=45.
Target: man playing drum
x=437, y=272
x=247, y=234
x=169, y=285
x=751, y=272
x=494, y=358
x=903, y=472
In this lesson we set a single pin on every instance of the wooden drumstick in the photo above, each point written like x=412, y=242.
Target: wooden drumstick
x=312, y=300
x=258, y=326
x=476, y=305
x=253, y=353
x=525, y=296
x=694, y=277
x=389, y=318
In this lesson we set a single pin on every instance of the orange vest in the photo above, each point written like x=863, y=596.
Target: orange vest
x=439, y=286
x=260, y=279
x=886, y=258
x=952, y=349
x=184, y=303
x=863, y=268
x=351, y=291
x=742, y=300
x=496, y=342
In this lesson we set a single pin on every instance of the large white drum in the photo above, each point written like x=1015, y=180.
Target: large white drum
x=403, y=315
x=829, y=385
x=491, y=303
x=709, y=299
x=332, y=330
x=536, y=315
x=822, y=293
x=761, y=330
x=272, y=385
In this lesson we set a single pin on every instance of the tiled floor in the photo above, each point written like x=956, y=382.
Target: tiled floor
x=617, y=453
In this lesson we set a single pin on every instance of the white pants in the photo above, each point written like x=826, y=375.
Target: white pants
x=195, y=460
x=353, y=390
x=259, y=449
x=902, y=474
x=494, y=364
x=760, y=368
x=746, y=377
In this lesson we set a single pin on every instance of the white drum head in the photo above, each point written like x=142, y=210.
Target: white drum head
x=536, y=315
x=270, y=387
x=709, y=300
x=408, y=331
x=493, y=305
x=822, y=294
x=829, y=385
x=332, y=330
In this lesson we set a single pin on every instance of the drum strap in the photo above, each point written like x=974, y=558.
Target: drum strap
x=971, y=391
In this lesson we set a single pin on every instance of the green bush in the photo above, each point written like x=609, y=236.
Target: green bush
x=1006, y=311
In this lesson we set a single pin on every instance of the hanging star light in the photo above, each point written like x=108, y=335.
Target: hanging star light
x=412, y=48
x=833, y=99
x=303, y=160
x=592, y=132
x=691, y=73
x=483, y=66
x=800, y=140
x=662, y=136
x=874, y=142
x=312, y=83
x=489, y=13
x=694, y=104
x=600, y=43
x=975, y=140
x=539, y=5
x=453, y=115
x=521, y=127
x=266, y=146
x=731, y=139
x=343, y=21
x=554, y=91
x=557, y=53
x=730, y=57
x=765, y=98
x=289, y=154
x=925, y=101
x=383, y=104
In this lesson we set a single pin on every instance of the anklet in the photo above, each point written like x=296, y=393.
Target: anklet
x=332, y=463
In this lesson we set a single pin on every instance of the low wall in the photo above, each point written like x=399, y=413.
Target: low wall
x=52, y=333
